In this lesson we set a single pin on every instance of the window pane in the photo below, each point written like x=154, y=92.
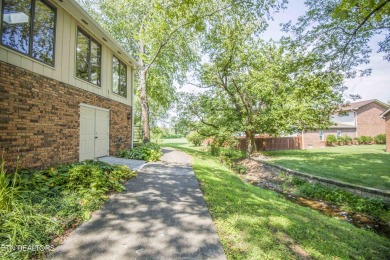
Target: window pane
x=43, y=41
x=16, y=24
x=115, y=75
x=82, y=56
x=95, y=63
x=123, y=80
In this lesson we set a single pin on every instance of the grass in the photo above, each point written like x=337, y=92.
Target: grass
x=364, y=165
x=254, y=223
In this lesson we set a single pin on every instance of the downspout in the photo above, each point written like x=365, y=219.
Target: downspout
x=355, y=111
x=132, y=108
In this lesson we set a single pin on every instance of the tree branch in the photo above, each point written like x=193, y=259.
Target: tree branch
x=353, y=34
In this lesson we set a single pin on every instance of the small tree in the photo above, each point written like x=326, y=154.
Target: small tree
x=195, y=138
x=330, y=140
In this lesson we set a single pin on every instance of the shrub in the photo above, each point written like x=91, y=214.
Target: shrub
x=340, y=140
x=331, y=139
x=365, y=139
x=347, y=140
x=195, y=138
x=380, y=139
x=240, y=169
x=150, y=152
x=36, y=206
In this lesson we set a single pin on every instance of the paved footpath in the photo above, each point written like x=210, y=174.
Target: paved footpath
x=160, y=215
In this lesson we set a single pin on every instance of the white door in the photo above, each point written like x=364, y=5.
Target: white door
x=94, y=133
x=102, y=133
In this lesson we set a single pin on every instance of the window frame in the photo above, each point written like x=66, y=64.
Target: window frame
x=322, y=135
x=91, y=39
x=119, y=80
x=31, y=30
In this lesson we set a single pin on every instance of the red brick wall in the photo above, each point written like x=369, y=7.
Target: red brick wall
x=369, y=121
x=39, y=119
x=388, y=133
x=311, y=139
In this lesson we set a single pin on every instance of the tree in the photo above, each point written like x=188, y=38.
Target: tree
x=339, y=31
x=259, y=87
x=162, y=36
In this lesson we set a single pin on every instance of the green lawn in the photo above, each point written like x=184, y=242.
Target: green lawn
x=254, y=223
x=365, y=165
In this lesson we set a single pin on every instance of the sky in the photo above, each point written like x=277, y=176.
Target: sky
x=375, y=86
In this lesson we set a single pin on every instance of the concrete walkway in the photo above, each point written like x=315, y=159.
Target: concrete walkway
x=161, y=215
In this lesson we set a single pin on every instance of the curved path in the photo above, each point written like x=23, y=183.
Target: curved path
x=160, y=215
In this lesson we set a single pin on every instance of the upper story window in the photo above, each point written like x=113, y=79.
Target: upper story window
x=88, y=58
x=119, y=77
x=28, y=27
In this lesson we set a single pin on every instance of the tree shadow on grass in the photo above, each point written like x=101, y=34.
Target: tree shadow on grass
x=256, y=223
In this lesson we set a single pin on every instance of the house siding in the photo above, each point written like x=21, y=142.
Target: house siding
x=311, y=139
x=40, y=119
x=369, y=121
x=64, y=69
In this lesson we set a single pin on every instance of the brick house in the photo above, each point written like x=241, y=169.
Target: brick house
x=65, y=85
x=386, y=117
x=360, y=118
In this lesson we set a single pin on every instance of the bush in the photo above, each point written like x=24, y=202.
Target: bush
x=380, y=139
x=347, y=140
x=331, y=139
x=372, y=206
x=365, y=139
x=195, y=138
x=340, y=140
x=37, y=206
x=150, y=152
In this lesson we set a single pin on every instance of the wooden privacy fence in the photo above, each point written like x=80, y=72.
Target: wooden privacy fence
x=272, y=143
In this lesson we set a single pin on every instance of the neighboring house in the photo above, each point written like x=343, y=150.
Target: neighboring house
x=386, y=116
x=66, y=87
x=356, y=119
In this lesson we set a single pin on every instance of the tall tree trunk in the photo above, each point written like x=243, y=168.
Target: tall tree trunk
x=144, y=105
x=250, y=143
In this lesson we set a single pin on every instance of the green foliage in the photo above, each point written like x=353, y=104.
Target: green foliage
x=340, y=140
x=157, y=134
x=365, y=139
x=150, y=152
x=380, y=139
x=351, y=164
x=195, y=138
x=36, y=206
x=347, y=140
x=339, y=33
x=254, y=223
x=331, y=139
x=372, y=206
x=240, y=169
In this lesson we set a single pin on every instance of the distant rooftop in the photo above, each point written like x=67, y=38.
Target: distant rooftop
x=356, y=105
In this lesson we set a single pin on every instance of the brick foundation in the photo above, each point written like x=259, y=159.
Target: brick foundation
x=40, y=119
x=312, y=139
